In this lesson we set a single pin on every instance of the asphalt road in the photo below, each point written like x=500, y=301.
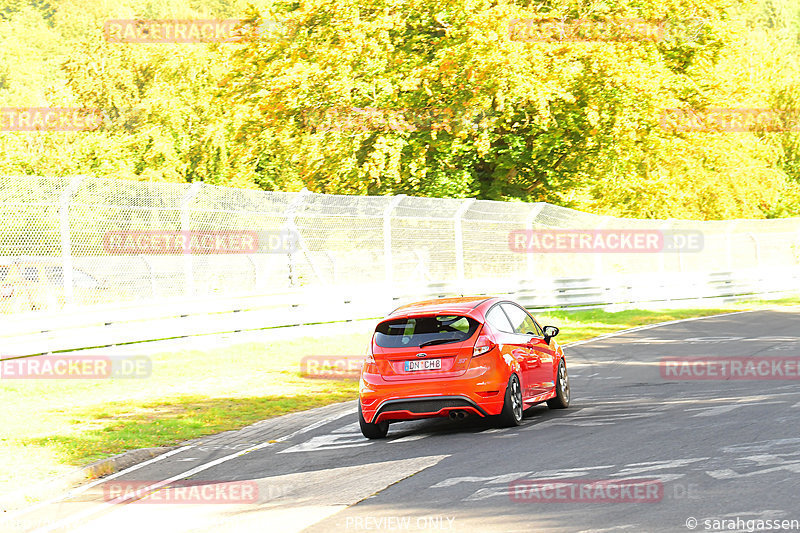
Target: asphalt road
x=711, y=450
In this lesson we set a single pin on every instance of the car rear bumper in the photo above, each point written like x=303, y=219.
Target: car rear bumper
x=427, y=407
x=389, y=400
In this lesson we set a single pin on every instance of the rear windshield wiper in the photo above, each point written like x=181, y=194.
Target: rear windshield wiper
x=438, y=341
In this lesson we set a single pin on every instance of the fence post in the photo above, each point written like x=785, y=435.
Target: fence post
x=598, y=257
x=188, y=262
x=459, y=235
x=757, y=250
x=668, y=225
x=291, y=226
x=530, y=219
x=66, y=237
x=729, y=242
x=387, y=237
x=150, y=273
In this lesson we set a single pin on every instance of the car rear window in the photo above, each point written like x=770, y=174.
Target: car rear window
x=424, y=331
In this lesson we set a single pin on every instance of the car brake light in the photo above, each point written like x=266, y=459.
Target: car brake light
x=370, y=366
x=483, y=345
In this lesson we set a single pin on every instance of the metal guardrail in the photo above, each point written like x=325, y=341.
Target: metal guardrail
x=39, y=333
x=67, y=281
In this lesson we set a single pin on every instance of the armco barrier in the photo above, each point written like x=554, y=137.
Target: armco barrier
x=71, y=277
x=38, y=333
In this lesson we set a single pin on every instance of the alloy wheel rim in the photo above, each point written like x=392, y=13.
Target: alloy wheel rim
x=564, y=382
x=516, y=399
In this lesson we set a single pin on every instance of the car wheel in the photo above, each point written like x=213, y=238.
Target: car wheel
x=372, y=431
x=561, y=401
x=511, y=415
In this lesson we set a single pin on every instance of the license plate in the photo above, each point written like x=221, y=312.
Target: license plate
x=427, y=364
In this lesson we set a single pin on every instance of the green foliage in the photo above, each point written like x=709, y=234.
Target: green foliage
x=422, y=98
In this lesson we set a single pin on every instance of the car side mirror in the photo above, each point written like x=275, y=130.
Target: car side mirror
x=549, y=333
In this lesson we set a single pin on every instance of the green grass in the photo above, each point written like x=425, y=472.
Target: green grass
x=52, y=426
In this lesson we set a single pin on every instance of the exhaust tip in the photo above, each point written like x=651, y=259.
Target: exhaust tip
x=460, y=415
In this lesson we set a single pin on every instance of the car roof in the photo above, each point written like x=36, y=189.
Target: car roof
x=464, y=305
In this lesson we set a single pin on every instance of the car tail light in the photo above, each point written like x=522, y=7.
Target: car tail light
x=483, y=345
x=6, y=291
x=370, y=366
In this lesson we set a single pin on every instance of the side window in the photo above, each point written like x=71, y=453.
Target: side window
x=498, y=320
x=539, y=331
x=521, y=320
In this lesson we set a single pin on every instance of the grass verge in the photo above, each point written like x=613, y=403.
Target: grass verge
x=52, y=426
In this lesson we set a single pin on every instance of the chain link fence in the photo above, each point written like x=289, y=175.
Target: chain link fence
x=72, y=242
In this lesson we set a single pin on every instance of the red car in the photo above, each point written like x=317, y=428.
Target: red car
x=453, y=357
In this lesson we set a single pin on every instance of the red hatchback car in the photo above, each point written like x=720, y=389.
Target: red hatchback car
x=459, y=356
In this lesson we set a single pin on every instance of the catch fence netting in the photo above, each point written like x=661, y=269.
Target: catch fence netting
x=83, y=241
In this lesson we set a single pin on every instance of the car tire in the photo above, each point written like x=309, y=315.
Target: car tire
x=561, y=400
x=372, y=431
x=511, y=415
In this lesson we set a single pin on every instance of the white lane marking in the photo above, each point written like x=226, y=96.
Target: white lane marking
x=715, y=340
x=714, y=411
x=763, y=446
x=653, y=340
x=764, y=461
x=106, y=505
x=333, y=441
x=211, y=447
x=488, y=492
x=652, y=466
x=502, y=483
x=409, y=438
x=507, y=478
x=83, y=488
x=449, y=482
x=316, y=424
x=721, y=409
x=349, y=428
x=592, y=420
x=660, y=324
x=783, y=347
